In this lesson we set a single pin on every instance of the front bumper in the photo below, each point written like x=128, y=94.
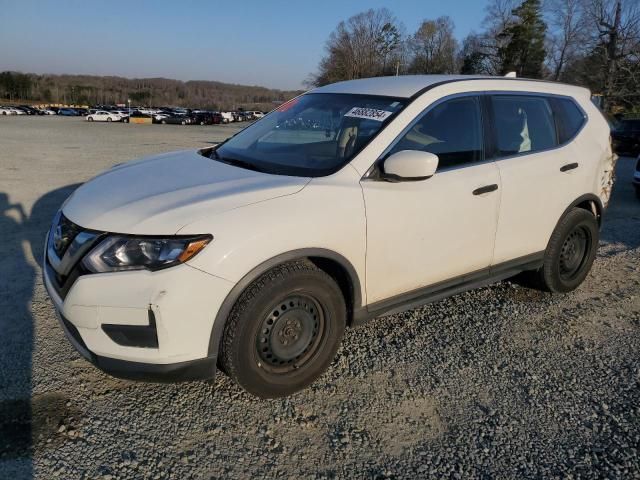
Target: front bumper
x=142, y=325
x=201, y=369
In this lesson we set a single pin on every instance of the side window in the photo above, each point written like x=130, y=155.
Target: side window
x=569, y=118
x=452, y=130
x=523, y=124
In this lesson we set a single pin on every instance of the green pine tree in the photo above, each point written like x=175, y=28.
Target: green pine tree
x=524, y=51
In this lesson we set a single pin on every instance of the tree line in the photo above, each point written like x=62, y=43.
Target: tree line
x=100, y=90
x=593, y=43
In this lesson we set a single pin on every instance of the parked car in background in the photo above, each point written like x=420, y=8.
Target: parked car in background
x=227, y=117
x=256, y=114
x=626, y=137
x=47, y=111
x=7, y=111
x=103, y=116
x=217, y=118
x=121, y=113
x=203, y=118
x=68, y=112
x=178, y=120
x=389, y=193
x=28, y=109
x=158, y=116
x=83, y=112
x=17, y=111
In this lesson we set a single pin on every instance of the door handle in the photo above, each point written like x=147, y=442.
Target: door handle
x=568, y=166
x=486, y=189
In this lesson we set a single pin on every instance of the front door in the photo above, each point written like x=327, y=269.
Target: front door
x=424, y=232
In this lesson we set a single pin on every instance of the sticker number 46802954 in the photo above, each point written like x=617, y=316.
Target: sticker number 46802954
x=368, y=113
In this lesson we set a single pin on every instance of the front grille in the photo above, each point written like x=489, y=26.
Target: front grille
x=63, y=234
x=67, y=244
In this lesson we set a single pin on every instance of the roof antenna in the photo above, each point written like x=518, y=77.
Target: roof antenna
x=511, y=75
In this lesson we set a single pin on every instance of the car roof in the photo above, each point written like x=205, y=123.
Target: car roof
x=407, y=86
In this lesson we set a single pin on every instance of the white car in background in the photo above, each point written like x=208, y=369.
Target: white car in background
x=103, y=116
x=256, y=114
x=351, y=201
x=13, y=111
x=46, y=111
x=7, y=111
x=227, y=117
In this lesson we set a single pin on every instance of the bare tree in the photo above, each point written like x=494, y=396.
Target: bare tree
x=434, y=47
x=617, y=24
x=568, y=33
x=360, y=47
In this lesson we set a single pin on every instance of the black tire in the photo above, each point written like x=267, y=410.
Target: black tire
x=183, y=122
x=109, y=119
x=126, y=120
x=570, y=252
x=284, y=330
x=90, y=119
x=164, y=122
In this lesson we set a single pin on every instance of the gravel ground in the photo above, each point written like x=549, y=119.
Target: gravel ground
x=500, y=382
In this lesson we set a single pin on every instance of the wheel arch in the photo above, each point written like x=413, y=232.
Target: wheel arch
x=589, y=202
x=334, y=264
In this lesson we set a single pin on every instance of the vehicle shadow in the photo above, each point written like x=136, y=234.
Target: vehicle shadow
x=23, y=238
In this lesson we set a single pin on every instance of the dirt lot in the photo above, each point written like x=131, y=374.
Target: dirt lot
x=501, y=382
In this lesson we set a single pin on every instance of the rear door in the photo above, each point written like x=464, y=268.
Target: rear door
x=541, y=172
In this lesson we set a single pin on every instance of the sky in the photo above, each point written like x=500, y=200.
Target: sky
x=274, y=43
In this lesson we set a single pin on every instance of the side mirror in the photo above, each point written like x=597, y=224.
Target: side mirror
x=410, y=166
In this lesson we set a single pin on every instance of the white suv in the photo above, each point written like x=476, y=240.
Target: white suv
x=351, y=201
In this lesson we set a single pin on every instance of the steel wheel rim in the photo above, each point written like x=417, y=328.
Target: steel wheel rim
x=290, y=334
x=574, y=252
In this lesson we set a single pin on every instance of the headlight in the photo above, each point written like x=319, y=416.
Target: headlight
x=116, y=253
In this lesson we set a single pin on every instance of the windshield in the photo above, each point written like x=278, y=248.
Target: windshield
x=312, y=135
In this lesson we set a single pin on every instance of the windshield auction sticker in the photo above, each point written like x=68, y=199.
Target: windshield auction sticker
x=368, y=113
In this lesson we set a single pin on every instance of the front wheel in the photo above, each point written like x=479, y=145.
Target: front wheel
x=284, y=330
x=570, y=252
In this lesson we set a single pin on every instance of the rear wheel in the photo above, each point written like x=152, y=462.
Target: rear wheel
x=108, y=119
x=164, y=122
x=284, y=330
x=570, y=252
x=90, y=119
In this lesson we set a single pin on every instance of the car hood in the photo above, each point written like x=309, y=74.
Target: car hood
x=161, y=194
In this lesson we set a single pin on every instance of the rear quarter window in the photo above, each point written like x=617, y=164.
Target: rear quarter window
x=569, y=118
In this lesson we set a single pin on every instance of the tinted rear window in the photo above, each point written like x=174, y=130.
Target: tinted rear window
x=569, y=118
